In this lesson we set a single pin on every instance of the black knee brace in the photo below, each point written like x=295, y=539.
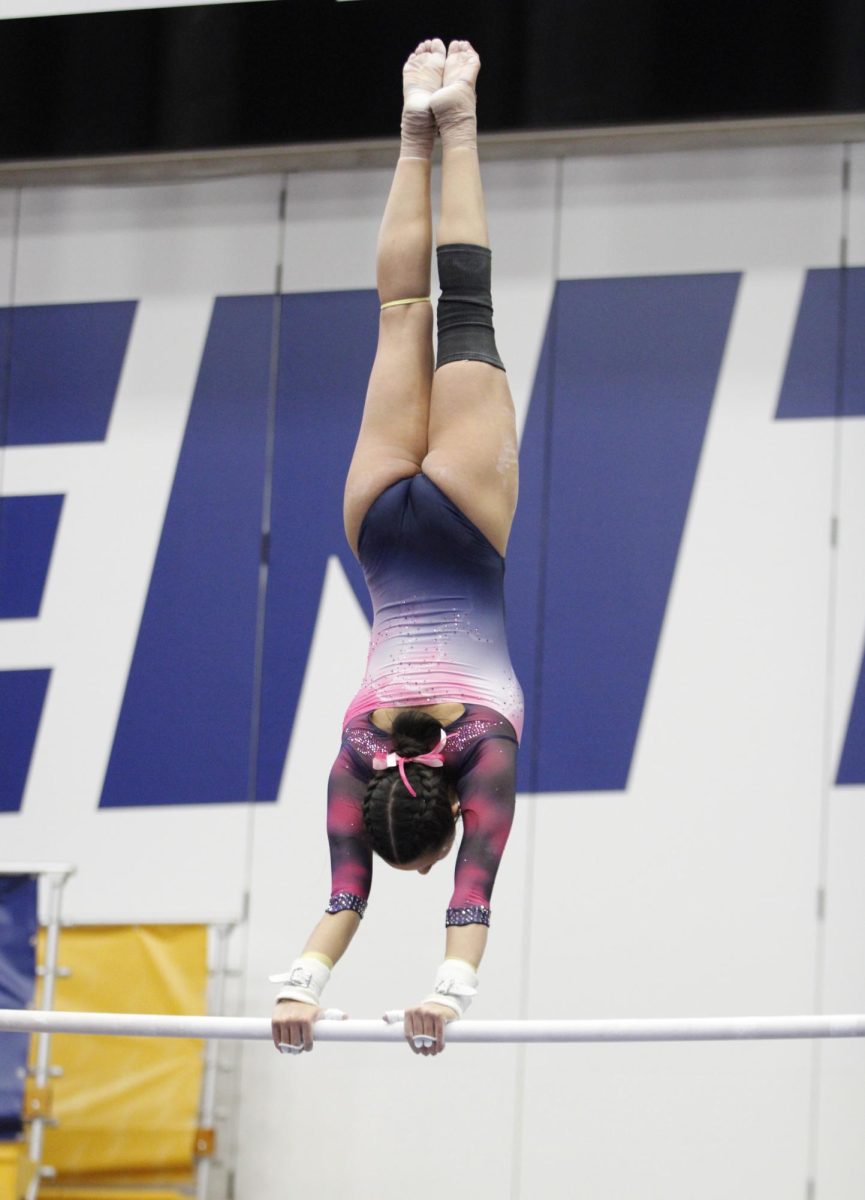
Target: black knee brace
x=465, y=307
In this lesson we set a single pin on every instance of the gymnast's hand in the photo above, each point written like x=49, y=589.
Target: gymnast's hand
x=426, y=1023
x=292, y=1023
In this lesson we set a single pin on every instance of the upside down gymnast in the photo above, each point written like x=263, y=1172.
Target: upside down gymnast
x=431, y=736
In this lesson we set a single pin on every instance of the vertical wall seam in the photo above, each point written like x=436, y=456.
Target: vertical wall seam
x=828, y=764
x=266, y=513
x=261, y=613
x=6, y=385
x=264, y=565
x=543, y=543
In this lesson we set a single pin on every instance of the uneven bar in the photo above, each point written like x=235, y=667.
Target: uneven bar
x=683, y=1029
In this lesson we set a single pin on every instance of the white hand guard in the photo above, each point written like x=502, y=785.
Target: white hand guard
x=305, y=981
x=456, y=983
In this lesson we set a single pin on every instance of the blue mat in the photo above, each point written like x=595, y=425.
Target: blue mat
x=18, y=922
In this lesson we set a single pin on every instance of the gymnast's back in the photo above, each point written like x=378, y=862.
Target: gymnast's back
x=437, y=589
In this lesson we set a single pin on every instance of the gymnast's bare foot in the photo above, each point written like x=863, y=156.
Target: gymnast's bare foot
x=422, y=76
x=454, y=104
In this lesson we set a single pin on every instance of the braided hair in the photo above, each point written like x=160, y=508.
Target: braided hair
x=401, y=827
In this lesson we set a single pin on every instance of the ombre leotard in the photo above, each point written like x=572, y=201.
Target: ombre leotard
x=438, y=635
x=437, y=590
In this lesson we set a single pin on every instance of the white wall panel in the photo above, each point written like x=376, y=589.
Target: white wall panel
x=8, y=207
x=840, y=1146
x=220, y=237
x=332, y=220
x=695, y=891
x=857, y=205
x=172, y=249
x=721, y=210
x=848, y=633
x=654, y=1122
x=849, y=607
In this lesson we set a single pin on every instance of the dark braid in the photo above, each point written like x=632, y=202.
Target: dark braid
x=402, y=827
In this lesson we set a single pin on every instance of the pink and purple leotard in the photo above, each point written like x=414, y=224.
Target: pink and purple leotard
x=438, y=634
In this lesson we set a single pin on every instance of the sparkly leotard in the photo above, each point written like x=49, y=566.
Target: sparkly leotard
x=480, y=755
x=438, y=635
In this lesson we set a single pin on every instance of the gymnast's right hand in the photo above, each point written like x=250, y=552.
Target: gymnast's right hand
x=292, y=1023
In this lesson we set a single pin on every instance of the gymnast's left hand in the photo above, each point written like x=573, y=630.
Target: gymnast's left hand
x=427, y=1022
x=292, y=1024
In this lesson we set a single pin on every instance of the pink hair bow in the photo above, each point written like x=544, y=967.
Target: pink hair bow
x=433, y=758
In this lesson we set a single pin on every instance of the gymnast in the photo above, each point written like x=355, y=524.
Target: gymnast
x=431, y=737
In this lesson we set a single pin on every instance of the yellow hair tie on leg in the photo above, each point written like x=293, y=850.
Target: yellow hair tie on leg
x=413, y=300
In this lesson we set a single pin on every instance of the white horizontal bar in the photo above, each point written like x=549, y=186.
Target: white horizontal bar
x=684, y=1029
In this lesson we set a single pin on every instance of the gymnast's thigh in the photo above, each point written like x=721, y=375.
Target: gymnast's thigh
x=472, y=452
x=393, y=436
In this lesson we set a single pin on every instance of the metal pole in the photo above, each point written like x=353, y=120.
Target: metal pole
x=56, y=877
x=207, y=1111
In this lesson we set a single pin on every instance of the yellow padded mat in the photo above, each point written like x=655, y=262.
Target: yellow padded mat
x=127, y=1104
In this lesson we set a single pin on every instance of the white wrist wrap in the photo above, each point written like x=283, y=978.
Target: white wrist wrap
x=305, y=981
x=456, y=983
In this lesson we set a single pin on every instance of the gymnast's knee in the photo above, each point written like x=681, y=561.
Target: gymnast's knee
x=465, y=307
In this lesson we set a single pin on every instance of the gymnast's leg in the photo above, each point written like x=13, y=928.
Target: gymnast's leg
x=392, y=441
x=472, y=453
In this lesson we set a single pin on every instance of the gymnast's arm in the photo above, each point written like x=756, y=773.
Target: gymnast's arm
x=487, y=794
x=351, y=874
x=467, y=942
x=332, y=936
